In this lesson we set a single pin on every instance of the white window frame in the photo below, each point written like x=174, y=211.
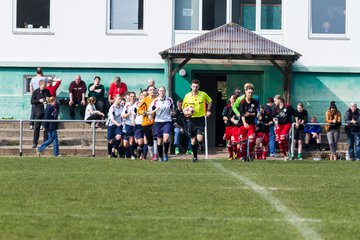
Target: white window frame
x=33, y=31
x=110, y=31
x=325, y=36
x=229, y=19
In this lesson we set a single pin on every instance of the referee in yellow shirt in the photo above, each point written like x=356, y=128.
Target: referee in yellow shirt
x=201, y=103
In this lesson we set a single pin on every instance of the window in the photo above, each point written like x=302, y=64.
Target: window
x=328, y=18
x=188, y=17
x=27, y=79
x=214, y=13
x=32, y=16
x=271, y=14
x=244, y=13
x=125, y=15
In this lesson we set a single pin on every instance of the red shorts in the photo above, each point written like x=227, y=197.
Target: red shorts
x=235, y=134
x=264, y=136
x=245, y=133
x=282, y=129
x=228, y=132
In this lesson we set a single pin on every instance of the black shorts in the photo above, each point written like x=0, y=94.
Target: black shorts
x=299, y=133
x=196, y=126
x=148, y=132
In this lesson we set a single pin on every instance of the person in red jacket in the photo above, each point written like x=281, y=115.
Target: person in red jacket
x=117, y=87
x=53, y=87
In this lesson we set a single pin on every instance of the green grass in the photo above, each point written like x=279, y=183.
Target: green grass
x=85, y=198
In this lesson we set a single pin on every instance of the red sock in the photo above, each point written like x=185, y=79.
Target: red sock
x=258, y=152
x=264, y=154
x=230, y=149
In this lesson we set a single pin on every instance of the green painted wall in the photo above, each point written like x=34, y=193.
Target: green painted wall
x=272, y=79
x=317, y=89
x=15, y=103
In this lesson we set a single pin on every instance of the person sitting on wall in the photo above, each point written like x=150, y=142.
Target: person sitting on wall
x=313, y=133
x=97, y=91
x=77, y=90
x=116, y=88
x=91, y=113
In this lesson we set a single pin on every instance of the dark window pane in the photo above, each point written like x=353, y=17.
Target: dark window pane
x=244, y=13
x=271, y=14
x=328, y=16
x=127, y=14
x=186, y=14
x=33, y=14
x=214, y=14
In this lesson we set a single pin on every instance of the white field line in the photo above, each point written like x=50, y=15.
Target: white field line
x=291, y=217
x=263, y=188
x=149, y=217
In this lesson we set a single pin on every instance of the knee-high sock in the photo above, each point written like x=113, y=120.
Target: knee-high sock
x=109, y=147
x=230, y=150
x=116, y=144
x=283, y=146
x=251, y=147
x=160, y=150
x=258, y=152
x=155, y=146
x=194, y=148
x=264, y=153
x=243, y=148
x=132, y=149
x=127, y=152
x=151, y=150
x=145, y=150
x=166, y=148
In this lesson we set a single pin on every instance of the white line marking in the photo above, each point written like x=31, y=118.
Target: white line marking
x=289, y=216
x=149, y=217
x=263, y=188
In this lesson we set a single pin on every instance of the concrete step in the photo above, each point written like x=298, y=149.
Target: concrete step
x=62, y=125
x=62, y=133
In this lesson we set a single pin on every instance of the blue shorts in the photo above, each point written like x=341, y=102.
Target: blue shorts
x=129, y=131
x=162, y=127
x=114, y=130
x=138, y=132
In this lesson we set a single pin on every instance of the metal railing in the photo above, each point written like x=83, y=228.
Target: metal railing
x=21, y=129
x=292, y=149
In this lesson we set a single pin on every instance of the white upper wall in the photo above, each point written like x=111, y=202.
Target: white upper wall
x=80, y=36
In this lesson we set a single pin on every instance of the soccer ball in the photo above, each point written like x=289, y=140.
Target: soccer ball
x=188, y=111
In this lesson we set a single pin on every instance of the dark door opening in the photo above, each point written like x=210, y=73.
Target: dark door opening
x=214, y=84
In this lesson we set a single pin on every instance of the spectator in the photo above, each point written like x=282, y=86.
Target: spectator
x=34, y=84
x=352, y=118
x=51, y=113
x=268, y=108
x=91, y=113
x=180, y=129
x=333, y=117
x=313, y=133
x=53, y=87
x=97, y=91
x=77, y=90
x=39, y=98
x=301, y=118
x=117, y=87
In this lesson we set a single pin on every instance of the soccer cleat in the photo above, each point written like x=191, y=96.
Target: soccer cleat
x=189, y=152
x=132, y=157
x=166, y=158
x=177, y=151
x=34, y=145
x=37, y=152
x=195, y=160
x=31, y=127
x=41, y=128
x=234, y=155
x=154, y=158
x=230, y=159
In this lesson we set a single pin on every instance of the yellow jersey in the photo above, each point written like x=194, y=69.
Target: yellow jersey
x=143, y=107
x=198, y=102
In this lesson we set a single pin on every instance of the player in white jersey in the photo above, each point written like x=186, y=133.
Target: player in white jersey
x=162, y=107
x=138, y=130
x=114, y=123
x=128, y=115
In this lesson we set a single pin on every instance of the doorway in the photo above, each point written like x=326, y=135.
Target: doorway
x=214, y=84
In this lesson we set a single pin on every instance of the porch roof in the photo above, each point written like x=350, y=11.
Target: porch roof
x=231, y=41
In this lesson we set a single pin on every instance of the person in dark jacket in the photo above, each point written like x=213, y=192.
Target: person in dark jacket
x=51, y=113
x=38, y=99
x=77, y=90
x=352, y=118
x=180, y=128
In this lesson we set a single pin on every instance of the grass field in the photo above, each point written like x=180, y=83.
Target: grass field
x=84, y=198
